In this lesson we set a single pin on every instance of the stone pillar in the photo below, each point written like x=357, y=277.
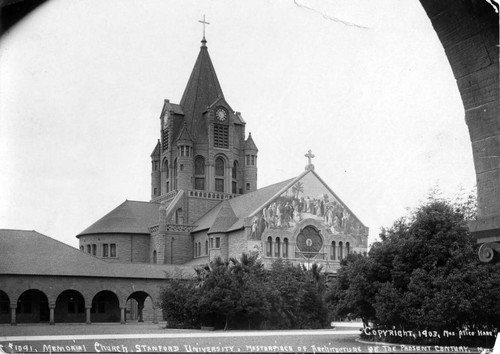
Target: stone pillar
x=140, y=307
x=51, y=310
x=155, y=317
x=13, y=314
x=87, y=315
x=122, y=315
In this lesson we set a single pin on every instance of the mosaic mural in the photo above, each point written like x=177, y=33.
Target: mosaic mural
x=308, y=198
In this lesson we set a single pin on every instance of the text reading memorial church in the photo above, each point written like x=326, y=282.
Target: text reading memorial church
x=204, y=204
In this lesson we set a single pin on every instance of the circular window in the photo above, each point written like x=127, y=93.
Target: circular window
x=309, y=241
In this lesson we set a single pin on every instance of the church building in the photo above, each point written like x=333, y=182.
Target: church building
x=204, y=197
x=204, y=204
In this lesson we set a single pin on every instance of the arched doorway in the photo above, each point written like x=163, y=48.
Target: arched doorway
x=32, y=307
x=4, y=307
x=70, y=307
x=105, y=307
x=140, y=307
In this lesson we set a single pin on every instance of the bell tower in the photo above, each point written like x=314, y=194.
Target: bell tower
x=202, y=147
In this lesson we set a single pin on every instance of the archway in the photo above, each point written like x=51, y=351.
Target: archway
x=105, y=307
x=468, y=31
x=4, y=307
x=140, y=307
x=32, y=307
x=70, y=307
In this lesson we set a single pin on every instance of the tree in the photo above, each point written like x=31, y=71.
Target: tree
x=216, y=293
x=242, y=294
x=296, y=296
x=353, y=293
x=424, y=273
x=178, y=303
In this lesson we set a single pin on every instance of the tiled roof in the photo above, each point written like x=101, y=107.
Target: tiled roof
x=242, y=206
x=249, y=143
x=31, y=253
x=202, y=90
x=167, y=106
x=238, y=119
x=225, y=218
x=156, y=151
x=184, y=134
x=129, y=217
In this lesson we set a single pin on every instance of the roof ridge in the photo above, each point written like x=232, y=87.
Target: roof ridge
x=140, y=201
x=18, y=230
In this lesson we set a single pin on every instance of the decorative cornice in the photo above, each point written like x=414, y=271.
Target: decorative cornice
x=210, y=195
x=179, y=228
x=153, y=229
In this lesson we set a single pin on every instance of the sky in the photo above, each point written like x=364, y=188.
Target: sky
x=364, y=84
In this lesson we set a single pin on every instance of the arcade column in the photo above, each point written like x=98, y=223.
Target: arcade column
x=122, y=315
x=13, y=308
x=87, y=314
x=51, y=310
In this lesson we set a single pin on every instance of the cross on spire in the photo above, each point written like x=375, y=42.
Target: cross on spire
x=204, y=23
x=310, y=156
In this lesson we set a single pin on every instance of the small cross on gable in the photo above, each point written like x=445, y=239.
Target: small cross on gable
x=309, y=156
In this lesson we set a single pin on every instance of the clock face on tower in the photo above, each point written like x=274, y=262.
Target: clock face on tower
x=221, y=114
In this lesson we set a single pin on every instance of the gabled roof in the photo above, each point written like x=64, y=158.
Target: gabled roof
x=248, y=205
x=202, y=90
x=225, y=218
x=184, y=134
x=129, y=217
x=156, y=151
x=238, y=119
x=167, y=106
x=31, y=253
x=242, y=206
x=249, y=143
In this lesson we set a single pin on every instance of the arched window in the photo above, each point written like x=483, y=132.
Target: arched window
x=195, y=249
x=269, y=247
x=285, y=247
x=333, y=251
x=165, y=168
x=206, y=247
x=199, y=171
x=277, y=247
x=154, y=257
x=219, y=174
x=347, y=248
x=341, y=250
x=234, y=174
x=179, y=216
x=199, y=249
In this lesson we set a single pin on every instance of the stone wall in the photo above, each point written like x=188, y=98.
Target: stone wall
x=130, y=248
